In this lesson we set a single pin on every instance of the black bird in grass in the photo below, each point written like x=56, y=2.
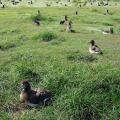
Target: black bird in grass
x=109, y=31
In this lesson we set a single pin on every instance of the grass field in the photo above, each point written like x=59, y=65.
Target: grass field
x=84, y=86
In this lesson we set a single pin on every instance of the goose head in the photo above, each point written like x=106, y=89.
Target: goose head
x=25, y=86
x=66, y=18
x=92, y=42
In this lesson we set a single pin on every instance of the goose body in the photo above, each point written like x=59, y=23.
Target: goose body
x=109, y=31
x=34, y=98
x=69, y=27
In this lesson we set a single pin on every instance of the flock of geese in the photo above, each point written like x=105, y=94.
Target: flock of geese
x=61, y=2
x=31, y=2
x=93, y=47
x=35, y=97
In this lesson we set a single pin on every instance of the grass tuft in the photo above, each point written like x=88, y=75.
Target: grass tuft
x=7, y=46
x=48, y=36
x=78, y=57
x=41, y=17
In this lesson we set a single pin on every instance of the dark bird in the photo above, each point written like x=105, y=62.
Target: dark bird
x=32, y=97
x=76, y=12
x=93, y=48
x=62, y=22
x=109, y=31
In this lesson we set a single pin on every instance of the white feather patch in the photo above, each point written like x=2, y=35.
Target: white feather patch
x=31, y=104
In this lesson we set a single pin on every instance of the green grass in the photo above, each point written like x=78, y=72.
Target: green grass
x=84, y=86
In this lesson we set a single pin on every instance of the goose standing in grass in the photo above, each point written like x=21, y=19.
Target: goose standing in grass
x=32, y=97
x=109, y=31
x=69, y=27
x=94, y=48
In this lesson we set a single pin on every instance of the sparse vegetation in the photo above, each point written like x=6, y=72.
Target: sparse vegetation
x=78, y=57
x=48, y=36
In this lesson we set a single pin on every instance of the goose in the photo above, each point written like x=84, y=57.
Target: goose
x=107, y=12
x=69, y=27
x=94, y=48
x=109, y=31
x=33, y=98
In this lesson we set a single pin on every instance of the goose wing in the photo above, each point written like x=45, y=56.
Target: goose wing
x=96, y=48
x=39, y=95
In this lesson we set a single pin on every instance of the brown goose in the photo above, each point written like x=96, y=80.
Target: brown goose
x=94, y=48
x=32, y=97
x=109, y=31
x=69, y=26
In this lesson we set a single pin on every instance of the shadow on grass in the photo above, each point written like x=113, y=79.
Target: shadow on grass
x=4, y=47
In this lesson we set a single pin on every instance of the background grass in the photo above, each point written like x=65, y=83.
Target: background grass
x=84, y=86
